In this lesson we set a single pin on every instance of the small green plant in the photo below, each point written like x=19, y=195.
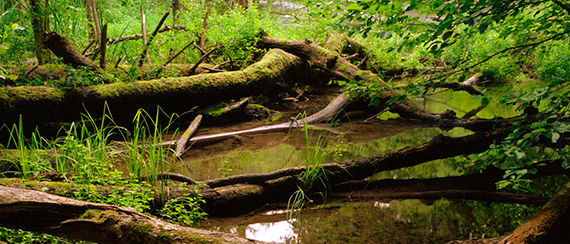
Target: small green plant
x=144, y=154
x=225, y=169
x=185, y=210
x=79, y=77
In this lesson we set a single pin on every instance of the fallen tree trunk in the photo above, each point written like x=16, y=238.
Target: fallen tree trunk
x=64, y=49
x=43, y=104
x=324, y=115
x=94, y=222
x=181, y=144
x=328, y=58
x=549, y=225
x=239, y=194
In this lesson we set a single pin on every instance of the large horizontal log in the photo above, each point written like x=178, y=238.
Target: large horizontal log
x=243, y=193
x=175, y=95
x=94, y=222
x=328, y=58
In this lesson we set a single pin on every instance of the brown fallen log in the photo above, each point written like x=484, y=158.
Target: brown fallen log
x=239, y=194
x=549, y=225
x=181, y=144
x=324, y=115
x=95, y=222
x=485, y=196
x=62, y=48
x=360, y=168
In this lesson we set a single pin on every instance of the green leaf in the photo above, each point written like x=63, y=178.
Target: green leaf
x=354, y=7
x=555, y=137
x=519, y=154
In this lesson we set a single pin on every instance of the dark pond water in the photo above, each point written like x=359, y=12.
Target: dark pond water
x=408, y=221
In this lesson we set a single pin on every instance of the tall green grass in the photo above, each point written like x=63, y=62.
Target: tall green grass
x=314, y=171
x=85, y=153
x=144, y=154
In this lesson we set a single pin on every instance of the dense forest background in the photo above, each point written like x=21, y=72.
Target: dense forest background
x=519, y=47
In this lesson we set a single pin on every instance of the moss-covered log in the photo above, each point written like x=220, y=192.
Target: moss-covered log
x=174, y=95
x=328, y=58
x=240, y=194
x=101, y=223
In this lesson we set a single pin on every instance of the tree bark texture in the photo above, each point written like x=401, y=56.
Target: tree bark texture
x=549, y=225
x=40, y=25
x=43, y=104
x=328, y=58
x=101, y=223
x=61, y=47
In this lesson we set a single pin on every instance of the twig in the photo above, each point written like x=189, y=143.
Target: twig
x=363, y=61
x=193, y=69
x=202, y=52
x=88, y=46
x=212, y=70
x=31, y=70
x=137, y=36
x=141, y=60
x=366, y=121
x=473, y=112
x=172, y=58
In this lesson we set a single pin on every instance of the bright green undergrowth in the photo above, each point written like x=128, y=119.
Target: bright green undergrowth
x=85, y=155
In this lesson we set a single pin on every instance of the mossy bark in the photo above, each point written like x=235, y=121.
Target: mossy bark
x=240, y=194
x=102, y=223
x=44, y=104
x=328, y=58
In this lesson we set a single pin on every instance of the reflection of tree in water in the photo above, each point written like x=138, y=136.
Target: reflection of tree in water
x=410, y=221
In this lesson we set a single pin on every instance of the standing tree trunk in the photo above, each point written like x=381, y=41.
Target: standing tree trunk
x=90, y=20
x=40, y=24
x=176, y=7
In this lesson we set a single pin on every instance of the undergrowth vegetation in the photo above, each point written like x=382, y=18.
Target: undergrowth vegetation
x=85, y=156
x=84, y=153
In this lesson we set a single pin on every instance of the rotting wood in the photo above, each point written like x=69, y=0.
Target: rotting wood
x=181, y=144
x=95, y=222
x=62, y=48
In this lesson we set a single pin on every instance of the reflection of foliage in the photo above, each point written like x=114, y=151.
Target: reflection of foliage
x=467, y=219
x=409, y=221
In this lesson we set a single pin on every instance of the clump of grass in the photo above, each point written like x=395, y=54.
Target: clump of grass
x=314, y=171
x=144, y=153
